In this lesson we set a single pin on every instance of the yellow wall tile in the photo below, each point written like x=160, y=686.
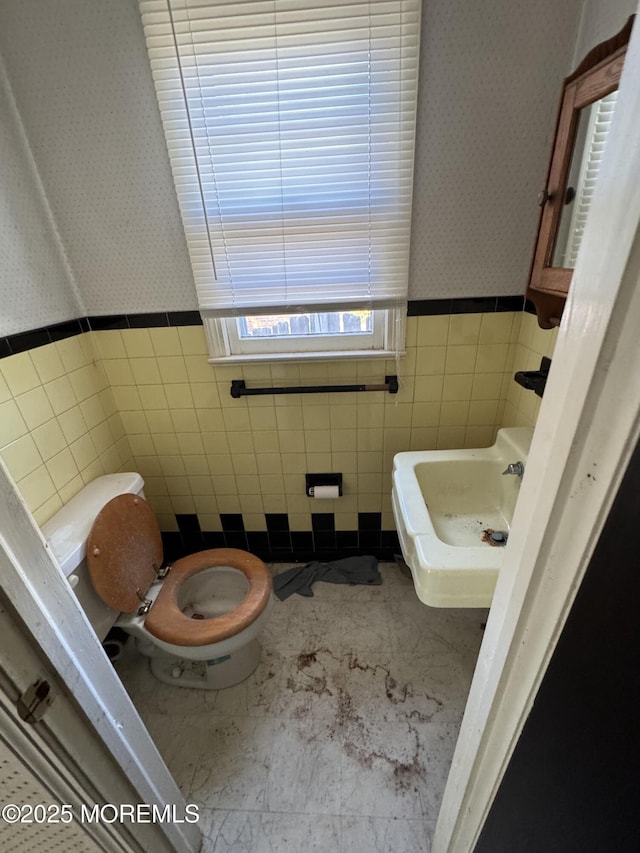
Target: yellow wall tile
x=236, y=420
x=253, y=521
x=428, y=389
x=200, y=485
x=492, y=358
x=433, y=331
x=134, y=422
x=482, y=412
x=317, y=441
x=185, y=420
x=62, y=468
x=318, y=462
x=399, y=415
x=20, y=373
x=269, y=463
x=457, y=386
x=159, y=421
x=12, y=425
x=5, y=393
x=83, y=451
x=127, y=397
x=48, y=509
x=155, y=397
x=198, y=369
x=464, y=329
x=454, y=414
x=93, y=411
x=37, y=487
x=119, y=372
x=21, y=457
x=461, y=359
x=206, y=504
x=101, y=437
x=205, y=395
x=137, y=343
x=294, y=463
x=430, y=360
x=109, y=344
x=370, y=439
x=70, y=489
x=60, y=394
x=74, y=353
x=182, y=504
x=423, y=438
x=479, y=436
x=146, y=371
x=487, y=386
x=451, y=437
x=425, y=414
x=190, y=442
x=48, y=363
x=240, y=442
x=192, y=340
x=496, y=328
x=50, y=438
x=35, y=407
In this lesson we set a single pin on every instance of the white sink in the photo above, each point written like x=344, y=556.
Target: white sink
x=446, y=505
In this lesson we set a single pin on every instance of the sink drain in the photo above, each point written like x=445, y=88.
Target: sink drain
x=495, y=537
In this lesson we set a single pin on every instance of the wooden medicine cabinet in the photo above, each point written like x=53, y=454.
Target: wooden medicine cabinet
x=586, y=108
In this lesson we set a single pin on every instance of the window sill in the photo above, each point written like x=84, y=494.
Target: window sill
x=352, y=355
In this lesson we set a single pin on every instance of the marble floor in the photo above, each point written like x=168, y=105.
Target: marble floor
x=340, y=741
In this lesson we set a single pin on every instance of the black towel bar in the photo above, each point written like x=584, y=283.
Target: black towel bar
x=239, y=389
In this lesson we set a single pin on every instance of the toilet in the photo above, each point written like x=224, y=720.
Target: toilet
x=197, y=621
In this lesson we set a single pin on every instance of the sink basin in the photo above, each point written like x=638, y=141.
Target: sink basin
x=450, y=507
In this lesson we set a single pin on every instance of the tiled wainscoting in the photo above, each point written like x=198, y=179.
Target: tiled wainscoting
x=107, y=394
x=278, y=541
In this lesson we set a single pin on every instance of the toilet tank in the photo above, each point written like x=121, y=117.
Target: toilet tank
x=67, y=533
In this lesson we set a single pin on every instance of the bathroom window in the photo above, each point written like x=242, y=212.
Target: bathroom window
x=290, y=127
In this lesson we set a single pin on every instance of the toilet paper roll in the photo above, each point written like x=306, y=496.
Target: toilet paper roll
x=325, y=491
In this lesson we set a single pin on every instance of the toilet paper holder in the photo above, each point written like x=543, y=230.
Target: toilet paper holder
x=313, y=480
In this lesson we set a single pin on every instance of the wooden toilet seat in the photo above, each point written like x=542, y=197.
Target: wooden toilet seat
x=166, y=621
x=124, y=554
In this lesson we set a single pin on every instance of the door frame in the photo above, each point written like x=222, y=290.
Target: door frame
x=34, y=586
x=588, y=426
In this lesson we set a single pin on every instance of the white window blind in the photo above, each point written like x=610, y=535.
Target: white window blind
x=600, y=118
x=290, y=127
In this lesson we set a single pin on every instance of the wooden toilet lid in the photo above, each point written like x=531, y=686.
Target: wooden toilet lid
x=124, y=552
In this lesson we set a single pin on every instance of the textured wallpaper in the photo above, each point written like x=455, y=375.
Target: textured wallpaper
x=83, y=87
x=489, y=89
x=35, y=283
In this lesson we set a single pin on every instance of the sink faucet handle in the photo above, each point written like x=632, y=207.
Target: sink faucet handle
x=516, y=468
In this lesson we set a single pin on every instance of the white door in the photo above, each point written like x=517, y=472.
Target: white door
x=91, y=739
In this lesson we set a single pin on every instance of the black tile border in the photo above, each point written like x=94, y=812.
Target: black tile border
x=277, y=522
x=279, y=543
x=283, y=546
x=33, y=338
x=466, y=305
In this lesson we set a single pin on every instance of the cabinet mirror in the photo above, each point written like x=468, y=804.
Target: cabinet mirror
x=586, y=110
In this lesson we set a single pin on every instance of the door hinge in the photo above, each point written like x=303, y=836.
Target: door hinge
x=34, y=701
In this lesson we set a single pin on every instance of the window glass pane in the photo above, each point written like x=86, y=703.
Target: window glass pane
x=309, y=324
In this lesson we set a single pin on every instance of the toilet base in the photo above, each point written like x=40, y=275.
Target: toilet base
x=213, y=674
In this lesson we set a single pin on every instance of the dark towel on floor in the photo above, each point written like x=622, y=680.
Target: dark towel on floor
x=352, y=570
